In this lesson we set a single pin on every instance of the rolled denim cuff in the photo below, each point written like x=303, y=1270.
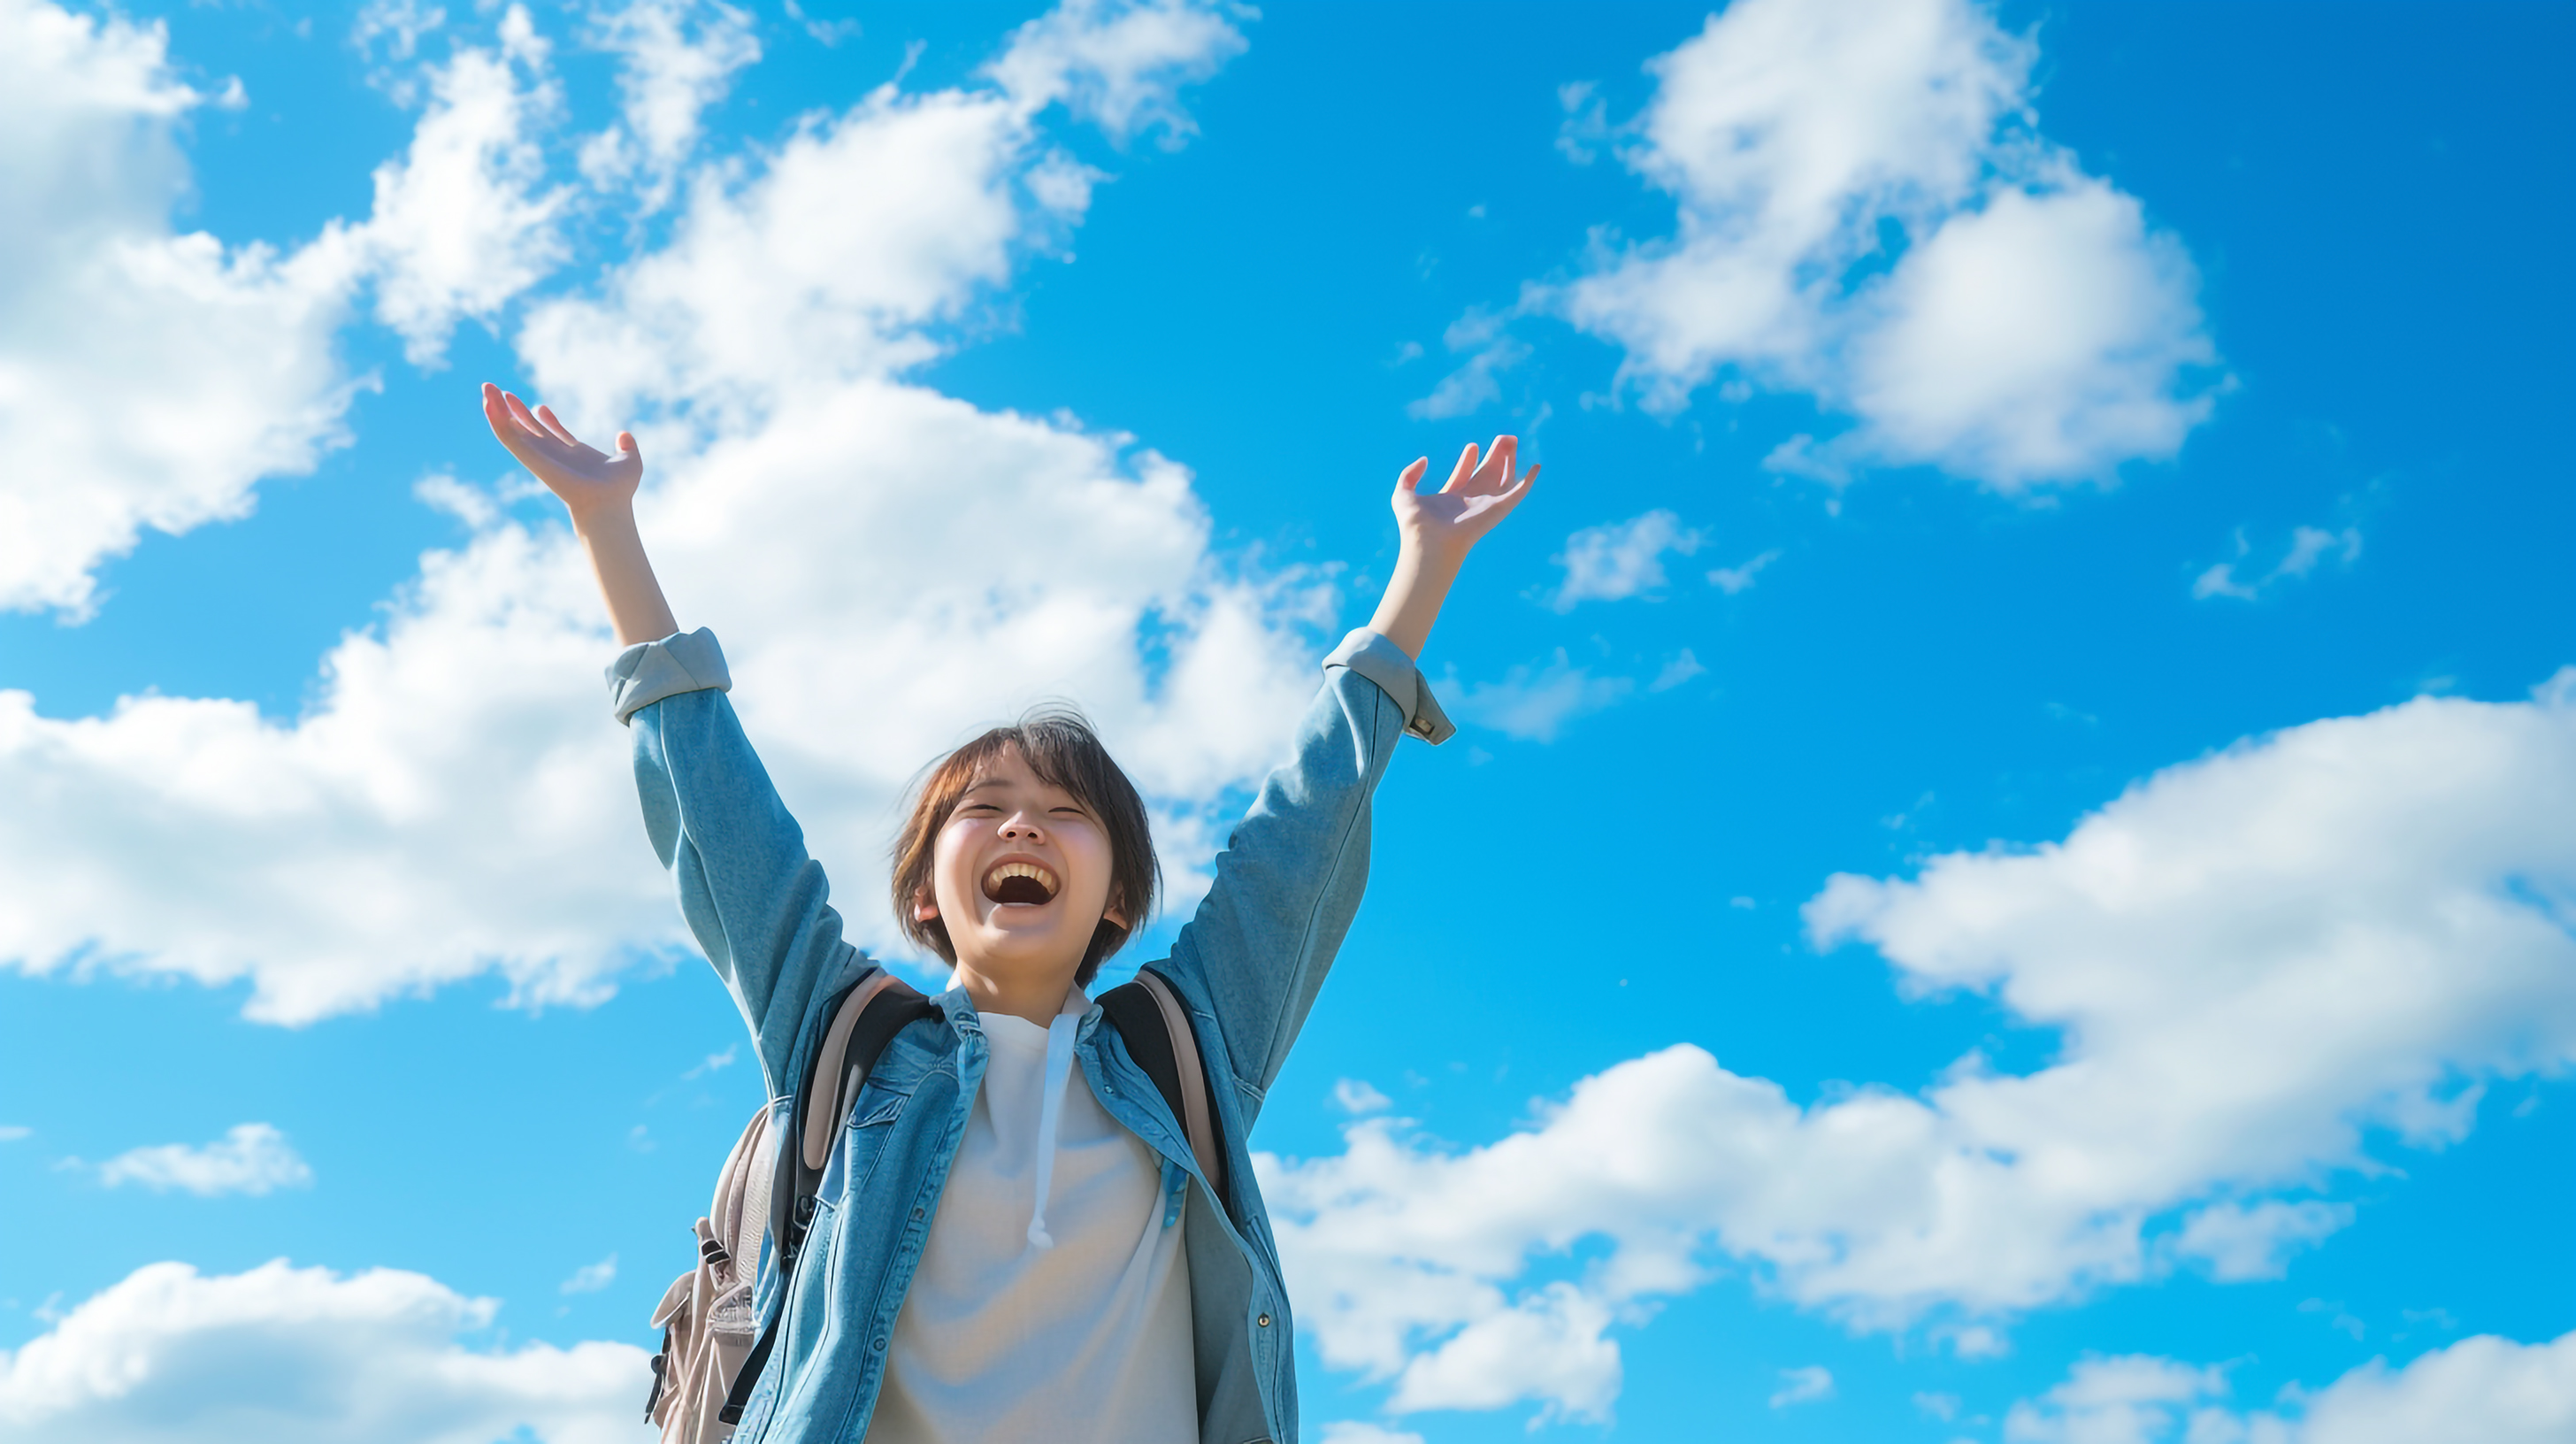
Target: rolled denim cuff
x=1383, y=662
x=650, y=671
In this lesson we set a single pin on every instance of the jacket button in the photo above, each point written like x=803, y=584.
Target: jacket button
x=916, y=1213
x=879, y=1346
x=1265, y=1321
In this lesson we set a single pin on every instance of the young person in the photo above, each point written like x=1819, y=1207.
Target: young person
x=1013, y=1240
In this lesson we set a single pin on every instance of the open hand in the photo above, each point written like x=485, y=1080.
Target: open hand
x=1479, y=494
x=583, y=476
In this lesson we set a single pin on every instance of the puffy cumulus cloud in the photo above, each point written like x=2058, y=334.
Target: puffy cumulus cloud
x=146, y=378
x=890, y=567
x=1120, y=63
x=1621, y=559
x=464, y=221
x=151, y=379
x=253, y=1158
x=674, y=60
x=1868, y=215
x=826, y=265
x=290, y=1355
x=2253, y=960
x=2489, y=1389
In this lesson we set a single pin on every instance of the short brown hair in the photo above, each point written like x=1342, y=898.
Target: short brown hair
x=1058, y=744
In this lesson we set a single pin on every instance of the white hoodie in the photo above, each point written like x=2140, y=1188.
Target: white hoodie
x=1044, y=1315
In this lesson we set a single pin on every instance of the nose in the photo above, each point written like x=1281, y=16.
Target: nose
x=1020, y=829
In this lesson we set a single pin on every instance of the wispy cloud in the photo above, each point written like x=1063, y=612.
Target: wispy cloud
x=1803, y=1386
x=1737, y=579
x=591, y=1278
x=1490, y=350
x=1535, y=703
x=1354, y=1096
x=253, y=1158
x=2308, y=546
x=1680, y=669
x=1620, y=559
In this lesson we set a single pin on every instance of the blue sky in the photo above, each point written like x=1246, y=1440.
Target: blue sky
x=2008, y=874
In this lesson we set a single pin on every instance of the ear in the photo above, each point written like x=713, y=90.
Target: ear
x=925, y=907
x=1115, y=916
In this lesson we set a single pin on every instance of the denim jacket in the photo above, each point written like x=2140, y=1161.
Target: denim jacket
x=1248, y=967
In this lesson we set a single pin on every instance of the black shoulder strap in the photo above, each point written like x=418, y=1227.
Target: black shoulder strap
x=850, y=1047
x=1150, y=1017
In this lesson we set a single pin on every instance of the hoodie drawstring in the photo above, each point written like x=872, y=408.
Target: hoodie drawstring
x=1059, y=1070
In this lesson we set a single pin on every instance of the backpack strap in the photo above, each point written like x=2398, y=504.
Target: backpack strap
x=865, y=1018
x=1149, y=1015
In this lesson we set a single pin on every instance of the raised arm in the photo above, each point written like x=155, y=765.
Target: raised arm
x=1435, y=531
x=1290, y=878
x=755, y=900
x=599, y=490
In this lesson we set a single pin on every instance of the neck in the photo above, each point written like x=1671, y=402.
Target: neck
x=1036, y=994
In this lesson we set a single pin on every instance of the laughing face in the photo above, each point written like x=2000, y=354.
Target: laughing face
x=1021, y=875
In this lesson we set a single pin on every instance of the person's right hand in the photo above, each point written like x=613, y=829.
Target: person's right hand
x=583, y=476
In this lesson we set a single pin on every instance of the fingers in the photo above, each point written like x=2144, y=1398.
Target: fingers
x=1411, y=476
x=505, y=427
x=626, y=445
x=546, y=417
x=519, y=411
x=1465, y=468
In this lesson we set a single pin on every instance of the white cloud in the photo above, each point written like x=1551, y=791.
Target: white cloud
x=1620, y=559
x=2252, y=961
x=12, y=1132
x=2030, y=327
x=1491, y=351
x=1803, y=1386
x=2256, y=1243
x=400, y=24
x=1355, y=1096
x=1680, y=669
x=715, y=1061
x=2489, y=1389
x=889, y=567
x=1534, y=703
x=146, y=378
x=1352, y=1431
x=1547, y=1345
x=2308, y=546
x=675, y=59
x=252, y=1158
x=464, y=222
x=306, y=1356
x=824, y=266
x=151, y=379
x=1119, y=64
x=1739, y=579
x=2133, y=1399
x=591, y=1278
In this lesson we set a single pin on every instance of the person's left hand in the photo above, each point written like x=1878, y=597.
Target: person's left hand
x=1480, y=492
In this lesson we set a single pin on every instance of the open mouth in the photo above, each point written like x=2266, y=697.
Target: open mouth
x=1025, y=883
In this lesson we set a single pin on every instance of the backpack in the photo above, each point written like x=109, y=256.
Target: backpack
x=713, y=1349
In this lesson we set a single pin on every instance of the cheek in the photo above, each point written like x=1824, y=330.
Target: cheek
x=1096, y=868
x=949, y=863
